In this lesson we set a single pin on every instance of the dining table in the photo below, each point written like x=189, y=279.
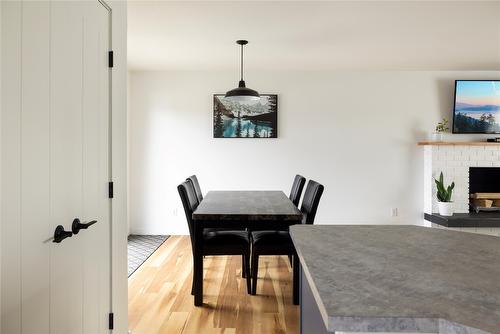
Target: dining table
x=260, y=210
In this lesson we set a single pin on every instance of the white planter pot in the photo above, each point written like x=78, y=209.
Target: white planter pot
x=445, y=208
x=437, y=136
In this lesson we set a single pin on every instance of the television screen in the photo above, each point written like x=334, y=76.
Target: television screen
x=477, y=106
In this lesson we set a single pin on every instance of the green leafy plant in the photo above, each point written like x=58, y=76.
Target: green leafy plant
x=442, y=126
x=443, y=192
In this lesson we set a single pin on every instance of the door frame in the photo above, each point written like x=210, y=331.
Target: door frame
x=110, y=153
x=118, y=163
x=118, y=153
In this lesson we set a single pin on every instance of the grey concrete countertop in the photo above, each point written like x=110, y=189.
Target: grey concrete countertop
x=402, y=278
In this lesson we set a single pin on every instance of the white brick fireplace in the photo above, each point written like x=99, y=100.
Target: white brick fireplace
x=454, y=160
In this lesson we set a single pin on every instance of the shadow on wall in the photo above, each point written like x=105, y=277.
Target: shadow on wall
x=446, y=93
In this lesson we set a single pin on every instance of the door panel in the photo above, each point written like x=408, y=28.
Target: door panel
x=11, y=167
x=55, y=167
x=66, y=162
x=35, y=222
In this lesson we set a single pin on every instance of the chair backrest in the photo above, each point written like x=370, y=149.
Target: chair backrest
x=297, y=186
x=310, y=202
x=190, y=203
x=196, y=186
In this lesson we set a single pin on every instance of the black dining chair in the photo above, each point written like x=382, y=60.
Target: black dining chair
x=215, y=242
x=199, y=195
x=280, y=242
x=197, y=188
x=295, y=193
x=297, y=186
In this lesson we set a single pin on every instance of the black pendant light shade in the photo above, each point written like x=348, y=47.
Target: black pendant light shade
x=242, y=93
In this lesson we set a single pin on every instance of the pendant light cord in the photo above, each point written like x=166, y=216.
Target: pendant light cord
x=241, y=70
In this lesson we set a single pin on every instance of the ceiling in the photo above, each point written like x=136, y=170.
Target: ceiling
x=308, y=35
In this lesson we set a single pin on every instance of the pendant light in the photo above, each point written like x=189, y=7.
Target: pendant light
x=242, y=93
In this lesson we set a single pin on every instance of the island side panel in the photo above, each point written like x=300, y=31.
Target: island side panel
x=311, y=321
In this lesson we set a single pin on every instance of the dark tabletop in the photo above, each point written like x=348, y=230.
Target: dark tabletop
x=248, y=206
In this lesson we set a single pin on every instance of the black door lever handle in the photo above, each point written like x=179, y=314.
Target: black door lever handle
x=60, y=234
x=77, y=226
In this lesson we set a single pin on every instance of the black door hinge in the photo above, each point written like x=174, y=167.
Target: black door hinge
x=111, y=321
x=110, y=59
x=110, y=189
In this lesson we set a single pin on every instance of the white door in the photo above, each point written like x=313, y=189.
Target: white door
x=55, y=167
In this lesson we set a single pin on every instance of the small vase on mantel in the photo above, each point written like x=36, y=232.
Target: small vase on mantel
x=437, y=136
x=441, y=129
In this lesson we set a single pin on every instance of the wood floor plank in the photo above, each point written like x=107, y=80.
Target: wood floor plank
x=160, y=300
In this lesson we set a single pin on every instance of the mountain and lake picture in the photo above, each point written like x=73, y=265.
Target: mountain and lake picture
x=253, y=119
x=477, y=107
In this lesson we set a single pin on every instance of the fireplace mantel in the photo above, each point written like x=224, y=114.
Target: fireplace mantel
x=458, y=143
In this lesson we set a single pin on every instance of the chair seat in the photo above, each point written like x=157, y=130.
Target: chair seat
x=218, y=229
x=278, y=239
x=253, y=229
x=225, y=241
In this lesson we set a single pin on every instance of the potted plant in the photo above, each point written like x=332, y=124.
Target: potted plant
x=443, y=194
x=441, y=129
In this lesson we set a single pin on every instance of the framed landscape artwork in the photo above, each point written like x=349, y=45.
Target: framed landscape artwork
x=253, y=119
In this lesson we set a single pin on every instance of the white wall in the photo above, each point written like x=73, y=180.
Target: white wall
x=355, y=132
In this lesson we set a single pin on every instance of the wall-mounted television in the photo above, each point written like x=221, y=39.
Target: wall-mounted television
x=477, y=106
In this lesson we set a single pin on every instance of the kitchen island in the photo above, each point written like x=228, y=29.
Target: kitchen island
x=397, y=279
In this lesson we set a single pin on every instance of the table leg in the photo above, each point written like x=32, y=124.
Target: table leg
x=296, y=278
x=198, y=265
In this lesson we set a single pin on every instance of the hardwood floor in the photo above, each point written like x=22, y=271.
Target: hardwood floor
x=160, y=298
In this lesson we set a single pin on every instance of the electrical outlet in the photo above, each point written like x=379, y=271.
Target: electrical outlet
x=394, y=212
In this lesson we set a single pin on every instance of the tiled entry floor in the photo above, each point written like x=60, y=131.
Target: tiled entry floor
x=140, y=247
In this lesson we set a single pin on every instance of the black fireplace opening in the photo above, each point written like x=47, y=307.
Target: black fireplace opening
x=483, y=180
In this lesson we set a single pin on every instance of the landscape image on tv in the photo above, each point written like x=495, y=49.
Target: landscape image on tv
x=477, y=107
